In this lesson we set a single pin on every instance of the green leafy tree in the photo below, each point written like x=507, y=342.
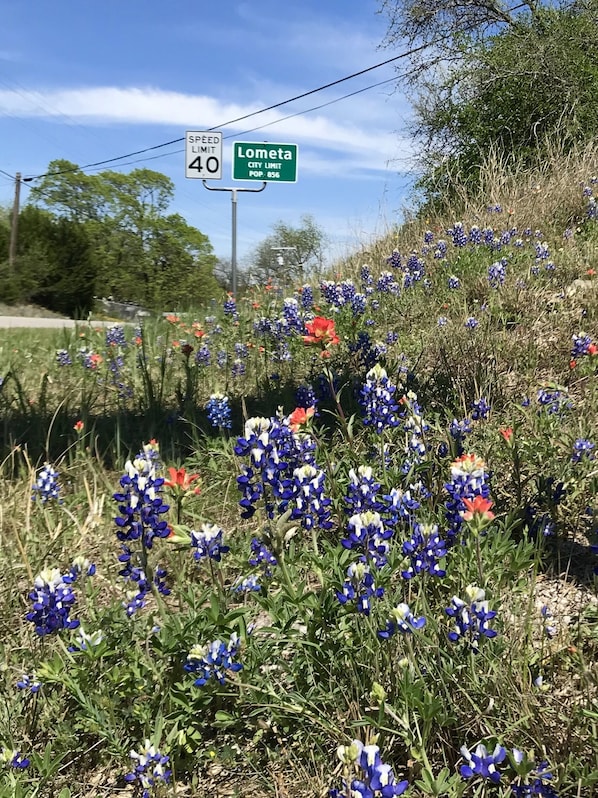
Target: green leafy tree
x=289, y=253
x=142, y=253
x=515, y=81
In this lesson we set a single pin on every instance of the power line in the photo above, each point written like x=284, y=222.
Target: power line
x=337, y=82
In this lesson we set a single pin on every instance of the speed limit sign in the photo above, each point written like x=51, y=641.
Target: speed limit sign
x=203, y=154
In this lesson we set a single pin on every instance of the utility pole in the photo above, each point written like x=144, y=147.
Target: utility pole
x=12, y=247
x=233, y=198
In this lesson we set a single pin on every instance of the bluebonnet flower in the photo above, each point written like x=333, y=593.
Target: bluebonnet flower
x=458, y=234
x=472, y=620
x=400, y=505
x=542, y=251
x=414, y=270
x=219, y=411
x=475, y=234
x=46, y=487
x=150, y=770
x=261, y=555
x=581, y=344
x=230, y=308
x=481, y=763
x=555, y=400
x=238, y=368
x=140, y=503
x=247, y=584
x=290, y=312
x=550, y=629
x=394, y=259
x=274, y=452
x=378, y=779
x=480, y=409
x=29, y=683
x=471, y=323
x=241, y=350
x=401, y=620
x=468, y=480
x=458, y=431
x=442, y=321
x=454, y=282
x=221, y=358
x=425, y=548
x=358, y=304
x=377, y=400
x=208, y=543
x=365, y=275
x=537, y=778
x=312, y=508
x=359, y=586
x=63, y=358
x=392, y=337
x=387, y=284
x=368, y=533
x=13, y=759
x=582, y=449
x=81, y=566
x=307, y=297
x=136, y=598
x=497, y=273
x=213, y=660
x=203, y=356
x=428, y=237
x=305, y=397
x=416, y=427
x=52, y=601
x=440, y=251
x=115, y=336
x=362, y=491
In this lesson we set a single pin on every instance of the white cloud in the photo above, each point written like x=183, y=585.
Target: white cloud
x=364, y=146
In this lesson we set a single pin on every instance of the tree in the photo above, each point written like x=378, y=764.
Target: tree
x=515, y=84
x=142, y=253
x=289, y=253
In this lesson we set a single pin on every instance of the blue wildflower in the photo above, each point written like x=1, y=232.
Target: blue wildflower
x=425, y=548
x=52, y=601
x=481, y=763
x=150, y=769
x=377, y=400
x=63, y=358
x=213, y=660
x=219, y=411
x=359, y=586
x=582, y=449
x=29, y=683
x=401, y=620
x=472, y=620
x=13, y=759
x=208, y=543
x=46, y=487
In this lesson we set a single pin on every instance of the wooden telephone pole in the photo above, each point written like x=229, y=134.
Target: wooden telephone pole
x=14, y=227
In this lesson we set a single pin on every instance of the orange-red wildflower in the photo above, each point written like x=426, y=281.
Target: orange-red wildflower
x=300, y=416
x=180, y=480
x=321, y=331
x=478, y=506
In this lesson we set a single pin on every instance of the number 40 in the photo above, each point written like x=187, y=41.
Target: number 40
x=212, y=164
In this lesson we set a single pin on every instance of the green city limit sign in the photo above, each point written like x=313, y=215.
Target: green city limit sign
x=276, y=163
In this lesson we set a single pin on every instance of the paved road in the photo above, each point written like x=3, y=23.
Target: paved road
x=36, y=323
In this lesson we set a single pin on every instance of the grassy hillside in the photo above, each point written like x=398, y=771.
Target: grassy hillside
x=240, y=545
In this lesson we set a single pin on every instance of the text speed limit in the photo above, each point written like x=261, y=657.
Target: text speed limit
x=203, y=154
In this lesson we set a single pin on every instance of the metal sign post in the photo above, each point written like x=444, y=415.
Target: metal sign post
x=234, y=225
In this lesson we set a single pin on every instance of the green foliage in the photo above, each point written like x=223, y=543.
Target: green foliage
x=316, y=673
x=289, y=254
x=135, y=250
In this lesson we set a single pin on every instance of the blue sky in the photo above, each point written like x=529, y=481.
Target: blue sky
x=89, y=81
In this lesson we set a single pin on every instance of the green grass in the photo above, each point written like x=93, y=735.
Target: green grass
x=316, y=675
